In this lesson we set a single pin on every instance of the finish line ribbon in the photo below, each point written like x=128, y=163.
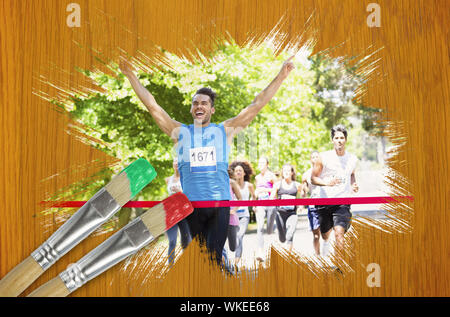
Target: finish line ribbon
x=254, y=203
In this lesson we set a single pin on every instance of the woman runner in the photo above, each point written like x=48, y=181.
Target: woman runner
x=286, y=217
x=242, y=172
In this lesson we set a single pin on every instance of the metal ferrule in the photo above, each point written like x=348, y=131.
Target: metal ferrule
x=89, y=217
x=119, y=246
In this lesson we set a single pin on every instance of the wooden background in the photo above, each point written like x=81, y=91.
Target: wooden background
x=411, y=84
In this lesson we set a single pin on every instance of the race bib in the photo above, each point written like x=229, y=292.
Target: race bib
x=341, y=177
x=203, y=159
x=263, y=196
x=285, y=196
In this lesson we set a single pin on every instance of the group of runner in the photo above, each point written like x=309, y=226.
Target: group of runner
x=202, y=171
x=333, y=170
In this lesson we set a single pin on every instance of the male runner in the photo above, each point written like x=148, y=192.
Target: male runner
x=203, y=149
x=334, y=172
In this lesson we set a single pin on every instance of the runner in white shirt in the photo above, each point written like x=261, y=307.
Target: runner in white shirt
x=334, y=172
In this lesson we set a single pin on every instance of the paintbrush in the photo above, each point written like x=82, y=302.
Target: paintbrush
x=127, y=241
x=97, y=210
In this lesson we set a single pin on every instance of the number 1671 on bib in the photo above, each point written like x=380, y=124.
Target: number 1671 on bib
x=203, y=159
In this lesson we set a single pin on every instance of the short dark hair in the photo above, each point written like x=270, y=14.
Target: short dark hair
x=207, y=91
x=338, y=128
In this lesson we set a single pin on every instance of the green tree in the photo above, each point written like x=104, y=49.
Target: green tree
x=335, y=82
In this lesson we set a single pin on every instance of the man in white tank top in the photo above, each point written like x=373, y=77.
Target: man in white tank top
x=334, y=172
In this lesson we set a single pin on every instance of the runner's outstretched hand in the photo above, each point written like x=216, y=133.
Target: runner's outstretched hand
x=125, y=66
x=287, y=67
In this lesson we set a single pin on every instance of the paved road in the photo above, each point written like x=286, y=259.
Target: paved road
x=302, y=243
x=370, y=184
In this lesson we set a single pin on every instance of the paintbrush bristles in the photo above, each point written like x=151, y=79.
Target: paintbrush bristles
x=155, y=220
x=131, y=181
x=119, y=188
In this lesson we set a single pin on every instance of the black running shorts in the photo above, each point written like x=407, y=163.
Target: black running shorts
x=334, y=215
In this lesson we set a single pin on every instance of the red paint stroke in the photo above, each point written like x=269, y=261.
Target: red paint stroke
x=242, y=203
x=176, y=207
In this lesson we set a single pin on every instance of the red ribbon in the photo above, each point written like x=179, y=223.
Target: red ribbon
x=243, y=203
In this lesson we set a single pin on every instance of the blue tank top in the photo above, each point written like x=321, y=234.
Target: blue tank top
x=203, y=162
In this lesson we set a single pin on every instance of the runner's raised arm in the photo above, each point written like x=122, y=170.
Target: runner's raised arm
x=243, y=119
x=163, y=120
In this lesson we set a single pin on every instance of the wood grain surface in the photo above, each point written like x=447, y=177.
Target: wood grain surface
x=411, y=85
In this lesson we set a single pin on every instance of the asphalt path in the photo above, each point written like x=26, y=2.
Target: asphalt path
x=302, y=242
x=370, y=183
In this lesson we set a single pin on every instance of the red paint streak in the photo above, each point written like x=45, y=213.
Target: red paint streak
x=177, y=207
